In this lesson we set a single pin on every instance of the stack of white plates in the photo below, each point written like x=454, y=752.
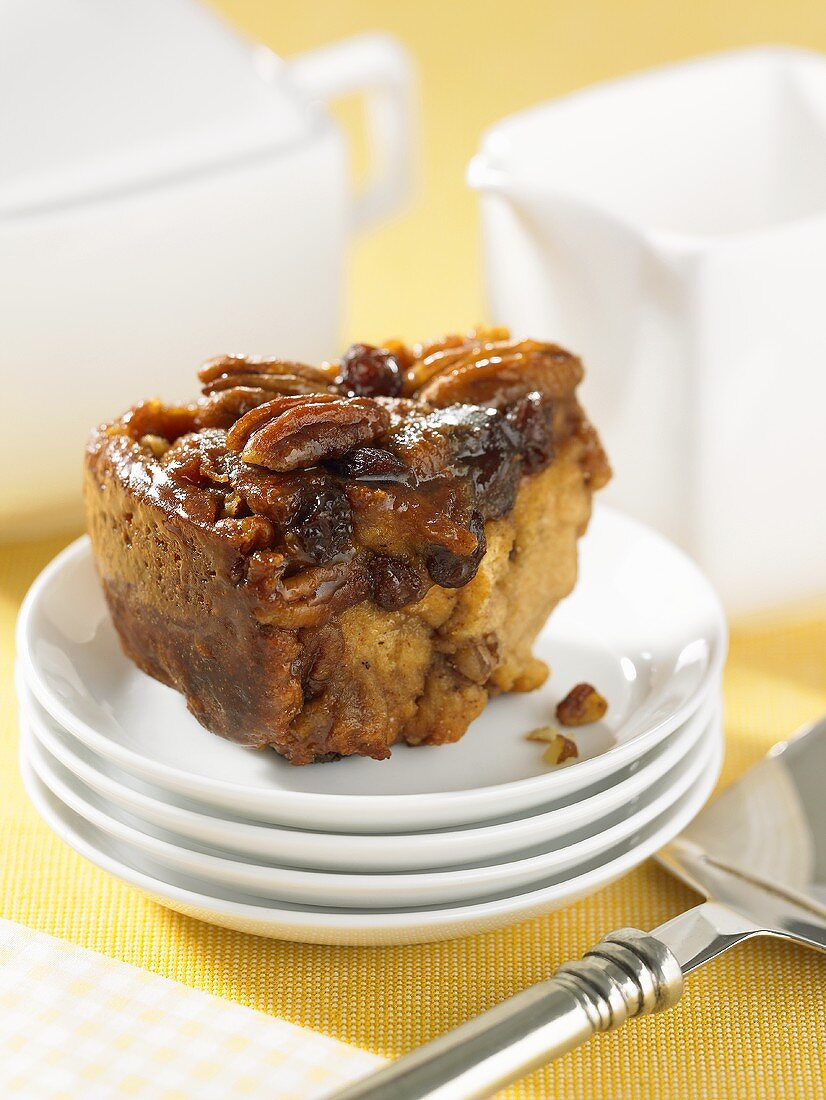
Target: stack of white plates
x=435, y=842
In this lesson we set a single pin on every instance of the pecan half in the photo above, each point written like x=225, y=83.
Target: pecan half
x=432, y=356
x=495, y=373
x=293, y=433
x=274, y=376
x=222, y=408
x=154, y=418
x=252, y=421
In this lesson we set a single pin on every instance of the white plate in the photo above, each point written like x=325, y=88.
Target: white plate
x=363, y=852
x=643, y=625
x=462, y=884
x=359, y=927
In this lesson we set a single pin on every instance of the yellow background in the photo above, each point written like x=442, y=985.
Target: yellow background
x=751, y=1024
x=479, y=61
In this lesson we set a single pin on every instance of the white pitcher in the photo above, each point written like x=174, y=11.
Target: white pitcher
x=671, y=228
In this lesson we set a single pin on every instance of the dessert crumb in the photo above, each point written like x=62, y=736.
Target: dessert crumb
x=542, y=733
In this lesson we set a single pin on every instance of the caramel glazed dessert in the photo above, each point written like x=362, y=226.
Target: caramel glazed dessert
x=328, y=560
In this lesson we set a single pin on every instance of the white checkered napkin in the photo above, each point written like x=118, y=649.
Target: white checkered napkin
x=76, y=1024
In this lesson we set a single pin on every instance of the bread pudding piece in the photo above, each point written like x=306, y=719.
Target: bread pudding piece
x=328, y=560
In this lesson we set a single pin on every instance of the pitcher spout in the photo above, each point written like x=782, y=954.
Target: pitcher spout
x=483, y=176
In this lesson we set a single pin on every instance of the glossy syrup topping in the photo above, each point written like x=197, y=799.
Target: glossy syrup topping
x=373, y=476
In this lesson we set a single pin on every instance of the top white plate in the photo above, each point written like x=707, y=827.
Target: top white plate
x=643, y=625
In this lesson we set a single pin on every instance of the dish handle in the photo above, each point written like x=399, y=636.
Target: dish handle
x=379, y=68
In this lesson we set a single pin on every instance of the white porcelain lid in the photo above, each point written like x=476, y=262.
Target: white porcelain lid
x=97, y=96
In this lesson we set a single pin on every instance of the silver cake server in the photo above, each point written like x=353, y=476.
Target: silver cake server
x=758, y=855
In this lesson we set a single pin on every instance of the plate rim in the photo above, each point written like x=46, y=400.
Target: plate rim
x=274, y=801
x=376, y=883
x=630, y=787
x=443, y=922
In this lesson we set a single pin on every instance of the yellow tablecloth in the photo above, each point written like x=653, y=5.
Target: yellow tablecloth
x=752, y=1025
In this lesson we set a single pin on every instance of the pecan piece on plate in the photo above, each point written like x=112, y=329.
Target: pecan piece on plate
x=560, y=750
x=293, y=433
x=582, y=705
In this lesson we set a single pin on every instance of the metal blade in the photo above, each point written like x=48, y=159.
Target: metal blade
x=759, y=851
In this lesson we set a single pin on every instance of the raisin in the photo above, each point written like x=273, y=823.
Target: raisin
x=494, y=473
x=486, y=444
x=451, y=570
x=322, y=528
x=370, y=462
x=366, y=371
x=395, y=582
x=532, y=417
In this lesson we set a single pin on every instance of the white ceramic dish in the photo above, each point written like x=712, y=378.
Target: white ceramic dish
x=365, y=926
x=362, y=852
x=458, y=884
x=643, y=624
x=157, y=168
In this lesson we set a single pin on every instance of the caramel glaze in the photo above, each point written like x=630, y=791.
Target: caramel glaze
x=316, y=488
